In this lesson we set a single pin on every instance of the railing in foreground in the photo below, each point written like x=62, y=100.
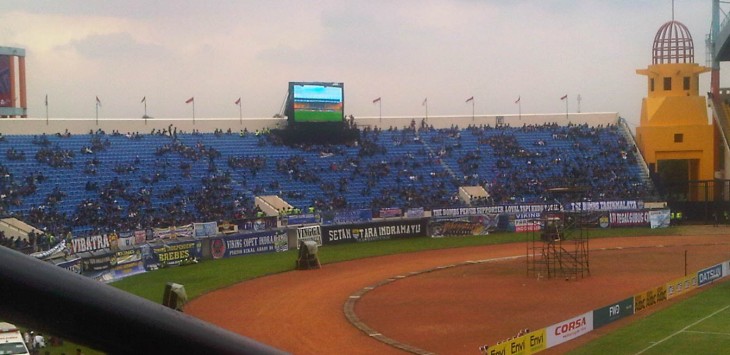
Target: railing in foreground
x=51, y=299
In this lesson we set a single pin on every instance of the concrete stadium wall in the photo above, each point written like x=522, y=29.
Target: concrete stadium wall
x=32, y=126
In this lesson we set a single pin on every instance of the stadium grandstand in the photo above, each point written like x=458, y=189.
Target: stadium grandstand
x=79, y=184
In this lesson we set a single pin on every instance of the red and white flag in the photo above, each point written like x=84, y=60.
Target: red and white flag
x=425, y=101
x=98, y=102
x=144, y=99
x=238, y=102
x=376, y=100
x=470, y=99
x=518, y=100
x=190, y=100
x=564, y=97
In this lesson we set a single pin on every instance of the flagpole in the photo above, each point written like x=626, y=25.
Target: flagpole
x=472, y=110
x=566, y=108
x=97, y=110
x=380, y=110
x=240, y=112
x=46, y=109
x=425, y=102
x=193, y=111
x=519, y=108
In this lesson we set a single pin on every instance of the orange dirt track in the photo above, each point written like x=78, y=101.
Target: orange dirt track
x=450, y=311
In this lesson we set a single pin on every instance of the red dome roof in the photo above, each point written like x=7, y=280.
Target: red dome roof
x=673, y=44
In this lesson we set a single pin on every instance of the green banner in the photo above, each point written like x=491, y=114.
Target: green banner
x=614, y=312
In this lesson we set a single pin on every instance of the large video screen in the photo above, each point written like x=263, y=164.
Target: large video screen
x=316, y=102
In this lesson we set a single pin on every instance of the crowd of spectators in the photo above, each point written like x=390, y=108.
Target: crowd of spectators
x=415, y=166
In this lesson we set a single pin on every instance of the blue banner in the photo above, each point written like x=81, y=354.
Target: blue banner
x=709, y=275
x=348, y=217
x=307, y=218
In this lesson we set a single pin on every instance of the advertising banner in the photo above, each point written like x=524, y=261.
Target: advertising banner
x=681, y=285
x=97, y=263
x=307, y=218
x=467, y=211
x=309, y=233
x=612, y=313
x=604, y=205
x=650, y=298
x=348, y=217
x=709, y=275
x=629, y=219
x=182, y=231
x=89, y=244
x=126, y=263
x=570, y=329
x=659, y=218
x=71, y=265
x=257, y=224
x=594, y=219
x=390, y=212
x=128, y=269
x=374, y=231
x=174, y=232
x=249, y=243
x=171, y=253
x=126, y=240
x=415, y=212
x=462, y=226
x=527, y=344
x=162, y=233
x=205, y=230
x=61, y=246
x=527, y=225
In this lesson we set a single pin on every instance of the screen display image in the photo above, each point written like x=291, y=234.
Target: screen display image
x=317, y=102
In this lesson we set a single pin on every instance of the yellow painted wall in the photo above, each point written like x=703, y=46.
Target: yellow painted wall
x=678, y=110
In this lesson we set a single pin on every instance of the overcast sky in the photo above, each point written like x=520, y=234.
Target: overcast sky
x=403, y=51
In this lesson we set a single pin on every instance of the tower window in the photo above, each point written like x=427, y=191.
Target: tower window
x=678, y=138
x=667, y=84
x=686, y=83
x=651, y=84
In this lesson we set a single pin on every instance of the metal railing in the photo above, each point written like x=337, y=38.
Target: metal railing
x=51, y=299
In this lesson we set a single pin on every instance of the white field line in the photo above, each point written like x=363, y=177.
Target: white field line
x=709, y=333
x=683, y=329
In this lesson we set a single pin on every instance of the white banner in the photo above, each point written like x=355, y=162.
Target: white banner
x=570, y=329
x=659, y=218
x=309, y=233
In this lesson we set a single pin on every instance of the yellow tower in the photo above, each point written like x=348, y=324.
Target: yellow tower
x=674, y=135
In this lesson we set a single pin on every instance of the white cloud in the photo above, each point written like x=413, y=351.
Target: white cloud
x=401, y=51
